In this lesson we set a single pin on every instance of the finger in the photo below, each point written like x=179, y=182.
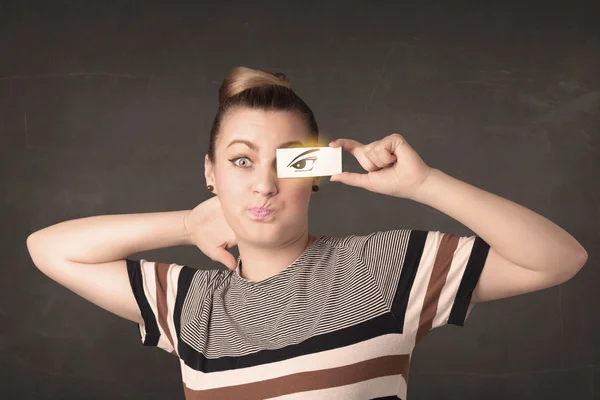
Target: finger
x=381, y=155
x=369, y=151
x=348, y=145
x=357, y=150
x=352, y=179
x=226, y=258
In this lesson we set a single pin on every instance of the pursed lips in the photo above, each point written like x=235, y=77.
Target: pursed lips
x=261, y=209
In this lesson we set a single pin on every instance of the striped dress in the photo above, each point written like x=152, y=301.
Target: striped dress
x=340, y=322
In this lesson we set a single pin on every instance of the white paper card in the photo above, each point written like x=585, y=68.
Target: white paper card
x=300, y=162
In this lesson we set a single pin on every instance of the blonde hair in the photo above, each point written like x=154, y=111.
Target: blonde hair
x=258, y=89
x=242, y=78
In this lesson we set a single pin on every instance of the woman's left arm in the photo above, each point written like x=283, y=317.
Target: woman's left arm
x=527, y=251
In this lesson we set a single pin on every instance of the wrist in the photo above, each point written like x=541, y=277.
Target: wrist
x=186, y=231
x=426, y=189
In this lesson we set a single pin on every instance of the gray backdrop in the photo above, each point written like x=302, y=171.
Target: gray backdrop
x=106, y=107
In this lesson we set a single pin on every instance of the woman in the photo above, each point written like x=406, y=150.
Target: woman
x=314, y=316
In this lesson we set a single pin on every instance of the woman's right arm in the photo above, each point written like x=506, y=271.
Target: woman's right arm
x=87, y=255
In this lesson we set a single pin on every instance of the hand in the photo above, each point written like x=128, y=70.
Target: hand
x=394, y=166
x=210, y=232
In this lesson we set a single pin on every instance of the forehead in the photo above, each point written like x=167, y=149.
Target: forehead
x=260, y=125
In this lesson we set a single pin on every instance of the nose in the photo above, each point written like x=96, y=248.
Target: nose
x=266, y=180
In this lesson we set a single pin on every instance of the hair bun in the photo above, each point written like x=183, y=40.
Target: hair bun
x=243, y=78
x=281, y=76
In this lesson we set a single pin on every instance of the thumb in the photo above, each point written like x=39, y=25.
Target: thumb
x=346, y=144
x=351, y=179
x=226, y=258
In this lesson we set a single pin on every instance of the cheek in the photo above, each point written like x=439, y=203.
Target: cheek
x=299, y=195
x=229, y=184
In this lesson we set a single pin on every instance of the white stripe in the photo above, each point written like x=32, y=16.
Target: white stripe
x=142, y=328
x=455, y=275
x=149, y=285
x=173, y=277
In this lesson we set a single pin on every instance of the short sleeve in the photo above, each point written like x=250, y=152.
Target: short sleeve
x=426, y=278
x=159, y=290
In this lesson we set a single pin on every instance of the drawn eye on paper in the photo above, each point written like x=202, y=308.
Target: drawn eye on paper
x=305, y=164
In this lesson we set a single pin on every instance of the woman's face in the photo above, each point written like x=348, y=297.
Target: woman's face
x=245, y=176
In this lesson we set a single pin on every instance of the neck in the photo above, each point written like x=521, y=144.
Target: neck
x=260, y=263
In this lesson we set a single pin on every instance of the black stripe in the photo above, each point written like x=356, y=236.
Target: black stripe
x=469, y=282
x=414, y=251
x=183, y=286
x=387, y=398
x=134, y=270
x=375, y=327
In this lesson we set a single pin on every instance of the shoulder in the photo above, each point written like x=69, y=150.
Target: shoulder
x=358, y=241
x=360, y=246
x=176, y=275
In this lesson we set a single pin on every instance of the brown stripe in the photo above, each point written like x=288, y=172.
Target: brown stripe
x=441, y=267
x=305, y=381
x=162, y=286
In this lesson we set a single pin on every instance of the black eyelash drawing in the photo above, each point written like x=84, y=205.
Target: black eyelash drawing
x=313, y=159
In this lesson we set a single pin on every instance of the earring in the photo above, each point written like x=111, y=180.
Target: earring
x=315, y=188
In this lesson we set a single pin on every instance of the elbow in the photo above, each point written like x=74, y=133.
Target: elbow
x=29, y=243
x=32, y=242
x=584, y=256
x=569, y=273
x=30, y=248
x=35, y=251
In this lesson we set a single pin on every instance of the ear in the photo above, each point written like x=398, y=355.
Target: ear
x=209, y=175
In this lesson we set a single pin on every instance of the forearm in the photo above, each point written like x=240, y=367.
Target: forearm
x=517, y=233
x=105, y=238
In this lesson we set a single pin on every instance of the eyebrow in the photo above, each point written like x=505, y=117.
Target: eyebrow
x=255, y=147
